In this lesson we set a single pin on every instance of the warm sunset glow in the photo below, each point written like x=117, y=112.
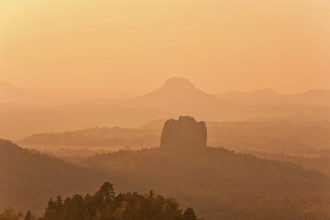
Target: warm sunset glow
x=164, y=109
x=135, y=45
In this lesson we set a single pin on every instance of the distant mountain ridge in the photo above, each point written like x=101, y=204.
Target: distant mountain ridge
x=180, y=96
x=300, y=137
x=97, y=137
x=311, y=97
x=176, y=97
x=10, y=93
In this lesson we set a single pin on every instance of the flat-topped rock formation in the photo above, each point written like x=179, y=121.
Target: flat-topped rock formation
x=184, y=133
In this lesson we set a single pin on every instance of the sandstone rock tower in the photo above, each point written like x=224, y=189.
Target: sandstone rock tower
x=184, y=133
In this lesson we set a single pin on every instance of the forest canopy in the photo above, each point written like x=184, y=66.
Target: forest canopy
x=105, y=204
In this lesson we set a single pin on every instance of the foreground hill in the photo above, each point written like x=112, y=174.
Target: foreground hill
x=216, y=182
x=220, y=183
x=28, y=179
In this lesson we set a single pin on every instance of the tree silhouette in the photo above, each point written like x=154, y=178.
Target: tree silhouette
x=189, y=214
x=104, y=204
x=29, y=216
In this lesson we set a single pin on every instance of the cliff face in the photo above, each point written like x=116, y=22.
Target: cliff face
x=184, y=133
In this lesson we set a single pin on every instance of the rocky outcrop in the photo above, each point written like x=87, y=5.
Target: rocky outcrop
x=184, y=133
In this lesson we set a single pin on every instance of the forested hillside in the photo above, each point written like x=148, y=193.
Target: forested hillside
x=29, y=178
x=106, y=204
x=221, y=184
x=217, y=183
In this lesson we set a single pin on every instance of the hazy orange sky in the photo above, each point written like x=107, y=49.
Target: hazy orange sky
x=135, y=45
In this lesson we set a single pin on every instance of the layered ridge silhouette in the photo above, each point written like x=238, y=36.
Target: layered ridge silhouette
x=177, y=97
